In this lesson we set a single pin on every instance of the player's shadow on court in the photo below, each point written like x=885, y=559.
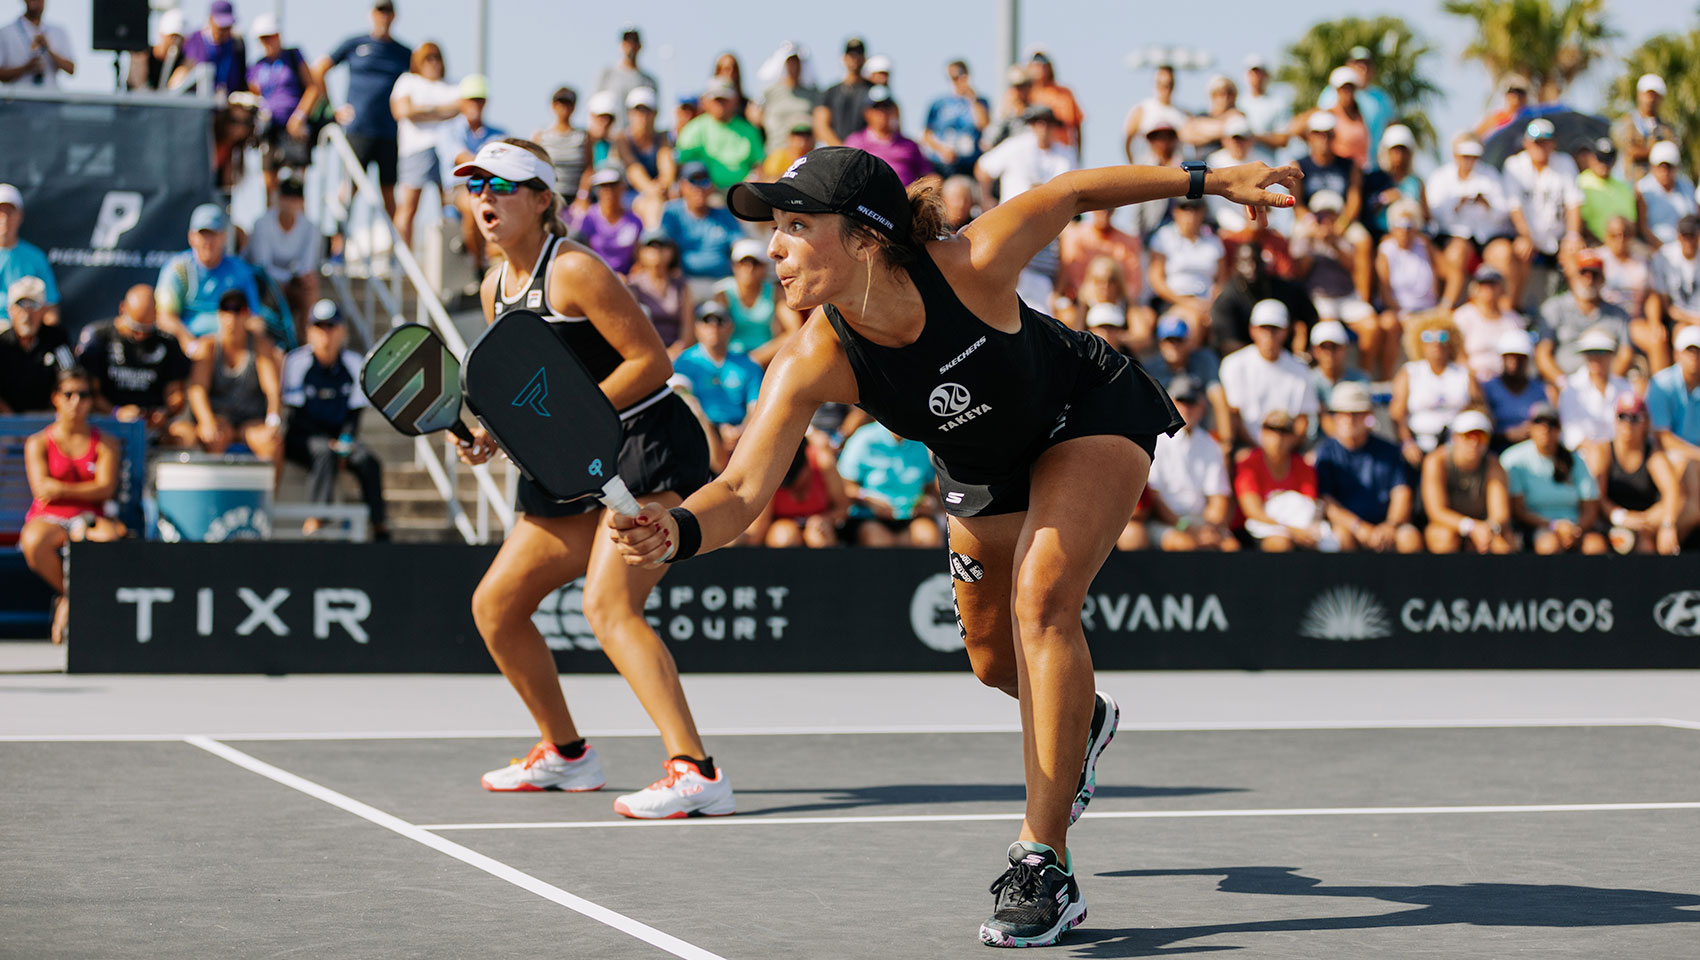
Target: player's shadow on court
x=1439, y=904
x=914, y=794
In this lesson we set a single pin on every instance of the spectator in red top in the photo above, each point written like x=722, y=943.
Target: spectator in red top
x=1277, y=491
x=73, y=471
x=809, y=506
x=881, y=137
x=1047, y=91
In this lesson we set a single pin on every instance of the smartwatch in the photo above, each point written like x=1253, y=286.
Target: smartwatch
x=1196, y=170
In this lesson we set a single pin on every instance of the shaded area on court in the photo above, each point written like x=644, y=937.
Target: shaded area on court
x=157, y=850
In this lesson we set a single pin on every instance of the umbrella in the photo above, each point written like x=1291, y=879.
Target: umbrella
x=1575, y=130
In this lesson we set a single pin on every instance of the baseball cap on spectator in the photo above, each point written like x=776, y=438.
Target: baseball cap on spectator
x=748, y=249
x=695, y=172
x=565, y=95
x=1359, y=53
x=171, y=23
x=1171, y=327
x=1688, y=338
x=1398, y=135
x=606, y=176
x=264, y=25
x=1543, y=412
x=1343, y=77
x=641, y=98
x=1255, y=61
x=1220, y=81
x=855, y=45
x=1516, y=342
x=1164, y=120
x=385, y=5
x=1604, y=149
x=1516, y=82
x=1321, y=121
x=1236, y=126
x=1688, y=225
x=1326, y=201
x=630, y=32
x=1350, y=396
x=27, y=289
x=1017, y=76
x=473, y=86
x=688, y=100
x=1329, y=331
x=1185, y=388
x=290, y=185
x=604, y=103
x=510, y=163
x=878, y=63
x=1596, y=340
x=1038, y=113
x=1589, y=260
x=208, y=216
x=803, y=126
x=1664, y=152
x=1650, y=81
x=1631, y=402
x=1039, y=55
x=326, y=314
x=1540, y=128
x=1473, y=421
x=9, y=194
x=1487, y=274
x=222, y=13
x=718, y=89
x=710, y=311
x=1279, y=421
x=233, y=301
x=879, y=95
x=841, y=180
x=1269, y=313
x=1405, y=213
x=1468, y=147
x=656, y=235
x=1106, y=315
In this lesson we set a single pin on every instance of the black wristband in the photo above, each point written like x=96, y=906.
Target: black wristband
x=690, y=534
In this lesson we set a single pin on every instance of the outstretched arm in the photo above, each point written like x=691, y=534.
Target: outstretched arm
x=1002, y=240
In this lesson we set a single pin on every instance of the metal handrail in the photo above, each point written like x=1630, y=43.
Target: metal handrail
x=491, y=498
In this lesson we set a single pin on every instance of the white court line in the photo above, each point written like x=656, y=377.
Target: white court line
x=1104, y=815
x=865, y=730
x=495, y=868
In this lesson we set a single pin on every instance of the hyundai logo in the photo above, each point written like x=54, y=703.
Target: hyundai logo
x=948, y=399
x=1679, y=613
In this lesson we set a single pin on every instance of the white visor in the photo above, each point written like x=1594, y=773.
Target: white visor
x=510, y=163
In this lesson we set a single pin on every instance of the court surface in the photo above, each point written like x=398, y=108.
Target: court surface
x=1399, y=815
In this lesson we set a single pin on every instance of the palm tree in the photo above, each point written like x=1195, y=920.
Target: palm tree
x=1549, y=45
x=1676, y=58
x=1399, y=52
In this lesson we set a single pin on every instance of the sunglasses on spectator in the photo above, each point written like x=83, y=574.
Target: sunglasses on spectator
x=497, y=185
x=1546, y=421
x=79, y=394
x=27, y=303
x=1436, y=336
x=1630, y=417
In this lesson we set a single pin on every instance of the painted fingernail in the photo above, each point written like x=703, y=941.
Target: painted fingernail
x=643, y=521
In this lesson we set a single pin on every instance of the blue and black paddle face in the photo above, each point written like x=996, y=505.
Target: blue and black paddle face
x=414, y=381
x=542, y=406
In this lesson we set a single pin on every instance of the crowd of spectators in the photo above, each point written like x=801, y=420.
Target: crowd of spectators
x=1477, y=359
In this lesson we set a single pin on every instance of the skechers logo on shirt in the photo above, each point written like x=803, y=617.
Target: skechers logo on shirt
x=964, y=354
x=864, y=211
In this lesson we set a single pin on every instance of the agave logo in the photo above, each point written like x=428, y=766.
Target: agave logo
x=949, y=399
x=1679, y=613
x=1346, y=613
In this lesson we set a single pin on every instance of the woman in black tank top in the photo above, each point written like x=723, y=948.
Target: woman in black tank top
x=1640, y=494
x=1041, y=437
x=552, y=544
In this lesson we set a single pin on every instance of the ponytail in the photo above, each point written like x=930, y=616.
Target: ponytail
x=926, y=224
x=1563, y=461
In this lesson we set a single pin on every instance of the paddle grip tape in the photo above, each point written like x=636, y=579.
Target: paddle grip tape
x=690, y=535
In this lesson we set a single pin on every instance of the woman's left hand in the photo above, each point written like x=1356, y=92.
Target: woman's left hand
x=1248, y=183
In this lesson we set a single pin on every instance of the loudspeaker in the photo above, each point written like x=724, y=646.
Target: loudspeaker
x=120, y=25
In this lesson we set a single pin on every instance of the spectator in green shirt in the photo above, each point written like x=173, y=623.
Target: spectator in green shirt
x=721, y=139
x=1605, y=196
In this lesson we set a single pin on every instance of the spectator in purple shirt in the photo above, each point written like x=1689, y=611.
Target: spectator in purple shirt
x=882, y=138
x=218, y=45
x=608, y=227
x=281, y=79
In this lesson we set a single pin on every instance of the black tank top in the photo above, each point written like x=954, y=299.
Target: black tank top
x=578, y=333
x=979, y=398
x=1631, y=491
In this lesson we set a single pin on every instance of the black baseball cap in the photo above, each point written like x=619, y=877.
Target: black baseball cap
x=842, y=180
x=855, y=45
x=1688, y=225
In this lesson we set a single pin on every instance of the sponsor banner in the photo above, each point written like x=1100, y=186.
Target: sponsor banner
x=108, y=187
x=302, y=607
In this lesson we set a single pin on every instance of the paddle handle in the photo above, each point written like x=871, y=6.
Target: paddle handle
x=618, y=498
x=461, y=432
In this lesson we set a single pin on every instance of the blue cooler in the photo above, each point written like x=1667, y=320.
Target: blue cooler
x=213, y=498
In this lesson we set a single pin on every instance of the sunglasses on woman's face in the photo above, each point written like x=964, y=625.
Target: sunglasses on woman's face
x=496, y=185
x=1630, y=418
x=1436, y=336
x=79, y=394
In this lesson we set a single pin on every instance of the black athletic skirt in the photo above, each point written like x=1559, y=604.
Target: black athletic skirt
x=664, y=450
x=1132, y=405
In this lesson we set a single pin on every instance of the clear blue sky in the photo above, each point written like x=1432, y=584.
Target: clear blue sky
x=536, y=45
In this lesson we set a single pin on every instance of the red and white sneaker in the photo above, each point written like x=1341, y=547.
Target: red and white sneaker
x=683, y=792
x=545, y=769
